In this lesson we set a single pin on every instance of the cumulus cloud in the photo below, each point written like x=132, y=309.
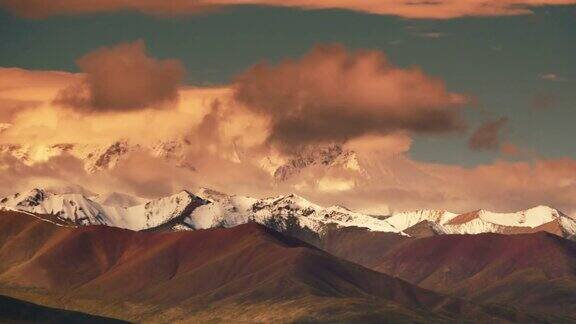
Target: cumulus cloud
x=438, y=9
x=228, y=126
x=331, y=94
x=26, y=102
x=488, y=136
x=123, y=77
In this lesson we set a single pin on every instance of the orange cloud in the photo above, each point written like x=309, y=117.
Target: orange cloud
x=123, y=77
x=509, y=149
x=401, y=183
x=511, y=185
x=23, y=89
x=331, y=94
x=43, y=9
x=27, y=102
x=437, y=9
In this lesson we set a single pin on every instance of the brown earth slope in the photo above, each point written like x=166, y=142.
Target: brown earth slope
x=531, y=271
x=243, y=274
x=535, y=271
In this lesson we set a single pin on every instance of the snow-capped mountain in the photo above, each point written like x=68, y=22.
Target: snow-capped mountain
x=72, y=207
x=206, y=209
x=279, y=212
x=405, y=220
x=97, y=157
x=291, y=210
x=79, y=210
x=330, y=156
x=534, y=219
x=540, y=218
x=288, y=213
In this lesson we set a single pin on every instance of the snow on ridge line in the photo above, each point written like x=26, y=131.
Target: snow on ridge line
x=209, y=208
x=532, y=217
x=405, y=220
x=35, y=216
x=84, y=211
x=280, y=211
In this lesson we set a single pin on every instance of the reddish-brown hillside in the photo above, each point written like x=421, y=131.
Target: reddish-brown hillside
x=240, y=273
x=533, y=270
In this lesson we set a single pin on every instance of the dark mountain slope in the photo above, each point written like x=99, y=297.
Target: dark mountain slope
x=17, y=311
x=245, y=273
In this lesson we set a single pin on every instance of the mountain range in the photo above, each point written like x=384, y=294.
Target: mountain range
x=98, y=157
x=208, y=208
x=209, y=256
x=247, y=273
x=101, y=156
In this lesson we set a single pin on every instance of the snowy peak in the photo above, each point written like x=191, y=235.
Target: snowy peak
x=532, y=217
x=404, y=220
x=171, y=209
x=102, y=156
x=282, y=213
x=211, y=194
x=209, y=208
x=108, y=157
x=72, y=207
x=328, y=156
x=31, y=198
x=289, y=202
x=316, y=217
x=539, y=218
x=83, y=211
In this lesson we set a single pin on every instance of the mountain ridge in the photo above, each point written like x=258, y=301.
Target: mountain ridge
x=208, y=208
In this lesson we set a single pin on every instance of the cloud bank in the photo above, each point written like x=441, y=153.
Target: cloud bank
x=438, y=9
x=229, y=130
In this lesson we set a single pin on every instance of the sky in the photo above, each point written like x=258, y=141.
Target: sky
x=464, y=86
